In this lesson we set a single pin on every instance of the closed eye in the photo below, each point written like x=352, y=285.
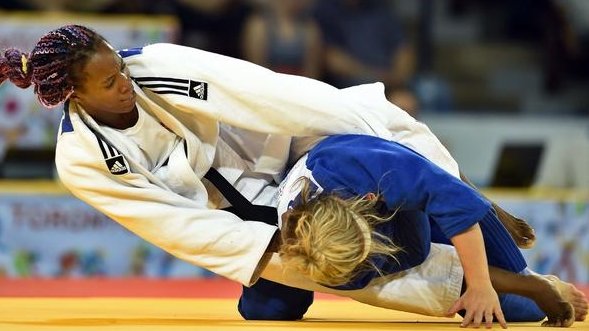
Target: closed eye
x=111, y=81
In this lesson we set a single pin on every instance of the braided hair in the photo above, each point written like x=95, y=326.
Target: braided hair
x=54, y=66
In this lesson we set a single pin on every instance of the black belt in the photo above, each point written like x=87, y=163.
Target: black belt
x=241, y=206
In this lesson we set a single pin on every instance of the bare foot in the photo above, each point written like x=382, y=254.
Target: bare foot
x=563, y=319
x=571, y=294
x=548, y=296
x=521, y=232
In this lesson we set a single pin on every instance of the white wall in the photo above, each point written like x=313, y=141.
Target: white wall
x=475, y=142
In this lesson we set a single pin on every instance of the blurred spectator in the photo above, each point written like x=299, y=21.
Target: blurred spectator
x=59, y=5
x=365, y=43
x=550, y=26
x=14, y=5
x=158, y=7
x=433, y=92
x=154, y=7
x=213, y=25
x=574, y=51
x=282, y=37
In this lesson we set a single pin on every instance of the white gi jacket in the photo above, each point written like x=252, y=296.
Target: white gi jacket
x=201, y=91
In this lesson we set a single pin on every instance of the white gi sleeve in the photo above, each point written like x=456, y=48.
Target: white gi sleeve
x=430, y=288
x=249, y=96
x=212, y=239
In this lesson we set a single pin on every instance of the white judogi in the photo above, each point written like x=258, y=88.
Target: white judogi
x=261, y=111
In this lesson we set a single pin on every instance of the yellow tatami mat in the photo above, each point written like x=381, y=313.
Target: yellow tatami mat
x=145, y=314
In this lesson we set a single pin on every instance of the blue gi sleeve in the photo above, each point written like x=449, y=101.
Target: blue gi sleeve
x=357, y=165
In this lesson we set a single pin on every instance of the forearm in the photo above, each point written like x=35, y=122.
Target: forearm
x=273, y=247
x=479, y=300
x=471, y=251
x=402, y=67
x=344, y=65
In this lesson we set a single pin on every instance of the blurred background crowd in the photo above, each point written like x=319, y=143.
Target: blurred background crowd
x=446, y=57
x=525, y=57
x=503, y=83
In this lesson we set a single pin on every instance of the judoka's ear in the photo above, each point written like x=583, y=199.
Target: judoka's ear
x=369, y=196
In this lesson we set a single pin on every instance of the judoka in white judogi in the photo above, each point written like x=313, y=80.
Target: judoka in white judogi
x=199, y=109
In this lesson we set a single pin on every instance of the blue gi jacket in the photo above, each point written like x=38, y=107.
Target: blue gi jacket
x=430, y=202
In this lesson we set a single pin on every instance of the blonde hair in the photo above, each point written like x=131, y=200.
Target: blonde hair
x=329, y=239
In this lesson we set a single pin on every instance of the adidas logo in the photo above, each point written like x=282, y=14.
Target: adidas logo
x=198, y=90
x=116, y=165
x=115, y=162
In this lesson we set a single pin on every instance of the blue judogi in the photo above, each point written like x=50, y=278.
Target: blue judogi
x=431, y=203
x=432, y=206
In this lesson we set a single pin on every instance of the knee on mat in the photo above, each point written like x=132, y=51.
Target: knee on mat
x=267, y=300
x=269, y=312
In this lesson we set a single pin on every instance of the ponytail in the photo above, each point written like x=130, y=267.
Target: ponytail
x=54, y=65
x=15, y=66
